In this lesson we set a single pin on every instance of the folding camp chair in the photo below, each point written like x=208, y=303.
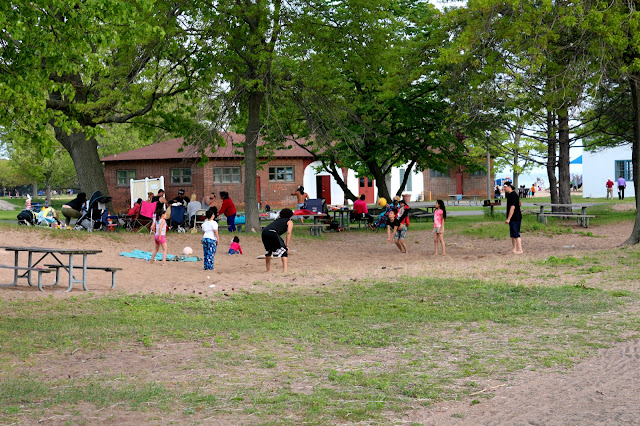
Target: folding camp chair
x=145, y=217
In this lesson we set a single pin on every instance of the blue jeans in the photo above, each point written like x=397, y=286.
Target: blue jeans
x=231, y=221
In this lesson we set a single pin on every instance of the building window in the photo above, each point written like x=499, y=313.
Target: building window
x=436, y=174
x=281, y=174
x=226, y=175
x=624, y=168
x=181, y=176
x=478, y=173
x=409, y=185
x=124, y=176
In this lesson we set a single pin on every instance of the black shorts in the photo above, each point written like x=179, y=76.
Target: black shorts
x=273, y=244
x=514, y=229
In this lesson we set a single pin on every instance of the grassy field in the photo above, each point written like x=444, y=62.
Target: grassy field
x=361, y=351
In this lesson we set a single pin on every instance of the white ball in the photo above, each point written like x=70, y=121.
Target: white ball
x=187, y=251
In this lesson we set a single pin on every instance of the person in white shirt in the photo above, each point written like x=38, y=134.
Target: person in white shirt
x=209, y=240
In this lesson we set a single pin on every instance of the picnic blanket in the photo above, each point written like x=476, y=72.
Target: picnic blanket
x=146, y=255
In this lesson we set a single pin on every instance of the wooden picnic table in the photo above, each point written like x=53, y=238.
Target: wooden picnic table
x=582, y=217
x=53, y=253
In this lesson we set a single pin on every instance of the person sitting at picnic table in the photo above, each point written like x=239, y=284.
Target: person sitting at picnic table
x=193, y=206
x=497, y=193
x=229, y=210
x=361, y=211
x=73, y=209
x=180, y=198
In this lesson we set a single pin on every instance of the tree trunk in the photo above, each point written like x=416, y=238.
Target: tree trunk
x=47, y=186
x=84, y=153
x=634, y=82
x=252, y=134
x=564, y=177
x=381, y=179
x=516, y=152
x=339, y=178
x=403, y=184
x=551, y=157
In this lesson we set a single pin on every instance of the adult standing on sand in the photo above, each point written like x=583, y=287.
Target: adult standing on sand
x=514, y=217
x=274, y=246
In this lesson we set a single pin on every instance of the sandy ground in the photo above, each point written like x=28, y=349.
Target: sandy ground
x=599, y=390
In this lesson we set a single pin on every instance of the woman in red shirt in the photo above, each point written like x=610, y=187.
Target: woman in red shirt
x=229, y=210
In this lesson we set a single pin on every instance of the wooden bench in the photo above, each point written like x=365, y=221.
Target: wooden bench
x=580, y=218
x=40, y=271
x=421, y=215
x=95, y=268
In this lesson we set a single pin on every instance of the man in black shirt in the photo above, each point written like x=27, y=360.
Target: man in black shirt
x=514, y=217
x=181, y=198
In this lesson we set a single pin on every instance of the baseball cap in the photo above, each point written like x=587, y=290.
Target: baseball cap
x=181, y=192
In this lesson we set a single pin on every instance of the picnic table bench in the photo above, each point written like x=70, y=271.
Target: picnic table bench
x=16, y=270
x=456, y=198
x=582, y=218
x=113, y=271
x=420, y=213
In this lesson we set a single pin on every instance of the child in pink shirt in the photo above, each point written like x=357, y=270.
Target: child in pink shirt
x=235, y=246
x=439, y=216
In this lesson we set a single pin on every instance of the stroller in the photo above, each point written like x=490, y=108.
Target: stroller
x=178, y=218
x=96, y=215
x=27, y=217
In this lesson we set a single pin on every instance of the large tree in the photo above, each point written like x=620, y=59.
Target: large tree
x=76, y=66
x=524, y=56
x=361, y=86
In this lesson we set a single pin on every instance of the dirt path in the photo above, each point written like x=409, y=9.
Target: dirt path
x=602, y=390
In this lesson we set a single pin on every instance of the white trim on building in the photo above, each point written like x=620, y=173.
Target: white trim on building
x=337, y=194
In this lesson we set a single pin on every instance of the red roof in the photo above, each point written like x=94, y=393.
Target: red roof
x=170, y=150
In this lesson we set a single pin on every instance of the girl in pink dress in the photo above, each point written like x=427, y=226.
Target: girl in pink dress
x=160, y=228
x=439, y=216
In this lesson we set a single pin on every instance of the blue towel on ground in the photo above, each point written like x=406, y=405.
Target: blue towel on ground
x=141, y=254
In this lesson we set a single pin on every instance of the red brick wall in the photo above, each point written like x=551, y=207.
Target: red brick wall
x=276, y=194
x=442, y=187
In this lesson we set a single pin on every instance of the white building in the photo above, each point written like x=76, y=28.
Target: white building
x=321, y=182
x=610, y=163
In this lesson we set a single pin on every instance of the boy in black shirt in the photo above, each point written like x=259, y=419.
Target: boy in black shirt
x=514, y=217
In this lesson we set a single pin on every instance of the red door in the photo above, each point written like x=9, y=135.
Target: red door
x=323, y=185
x=459, y=183
x=366, y=188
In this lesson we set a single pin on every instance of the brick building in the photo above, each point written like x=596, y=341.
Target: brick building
x=278, y=178
x=224, y=171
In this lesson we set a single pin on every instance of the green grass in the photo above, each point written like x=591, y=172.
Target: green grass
x=366, y=350
x=56, y=203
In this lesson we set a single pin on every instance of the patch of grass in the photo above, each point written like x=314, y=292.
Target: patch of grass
x=368, y=349
x=561, y=261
